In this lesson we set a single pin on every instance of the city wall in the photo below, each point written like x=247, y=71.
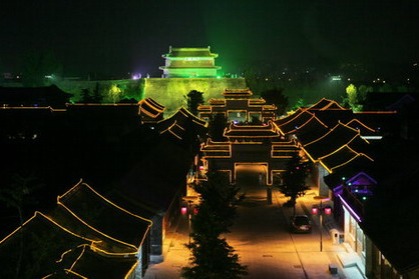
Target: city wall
x=169, y=92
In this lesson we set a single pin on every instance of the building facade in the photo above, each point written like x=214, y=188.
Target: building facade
x=186, y=62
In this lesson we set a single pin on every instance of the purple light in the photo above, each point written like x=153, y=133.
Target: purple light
x=136, y=76
x=347, y=206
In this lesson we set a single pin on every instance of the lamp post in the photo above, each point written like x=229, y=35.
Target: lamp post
x=320, y=210
x=188, y=211
x=189, y=220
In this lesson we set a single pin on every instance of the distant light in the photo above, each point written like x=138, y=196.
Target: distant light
x=136, y=76
x=372, y=137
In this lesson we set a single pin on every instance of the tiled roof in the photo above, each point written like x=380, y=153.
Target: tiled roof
x=301, y=123
x=340, y=157
x=178, y=124
x=189, y=52
x=337, y=137
x=105, y=243
x=331, y=117
x=289, y=118
x=326, y=104
x=102, y=215
x=35, y=233
x=250, y=132
x=216, y=149
x=84, y=262
x=237, y=93
x=151, y=108
x=364, y=130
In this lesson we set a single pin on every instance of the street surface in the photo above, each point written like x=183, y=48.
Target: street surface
x=262, y=239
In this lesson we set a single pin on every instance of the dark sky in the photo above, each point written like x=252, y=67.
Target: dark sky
x=130, y=36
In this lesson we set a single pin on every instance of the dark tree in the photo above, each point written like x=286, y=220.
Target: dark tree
x=299, y=104
x=194, y=99
x=217, y=124
x=294, y=179
x=212, y=257
x=277, y=98
x=97, y=97
x=86, y=96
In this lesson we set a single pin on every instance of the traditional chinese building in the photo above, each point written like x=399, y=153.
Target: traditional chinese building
x=249, y=142
x=186, y=62
x=238, y=106
x=86, y=234
x=249, y=145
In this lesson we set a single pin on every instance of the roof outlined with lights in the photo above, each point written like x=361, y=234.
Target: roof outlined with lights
x=103, y=216
x=326, y=104
x=83, y=262
x=150, y=110
x=62, y=253
x=189, y=62
x=341, y=157
x=178, y=124
x=252, y=132
x=334, y=139
x=238, y=101
x=304, y=124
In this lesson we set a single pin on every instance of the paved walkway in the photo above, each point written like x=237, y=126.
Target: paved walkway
x=264, y=244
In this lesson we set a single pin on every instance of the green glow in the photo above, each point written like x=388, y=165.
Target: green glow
x=190, y=63
x=171, y=91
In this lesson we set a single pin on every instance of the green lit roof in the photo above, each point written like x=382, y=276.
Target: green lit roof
x=190, y=52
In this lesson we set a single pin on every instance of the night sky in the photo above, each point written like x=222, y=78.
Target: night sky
x=117, y=37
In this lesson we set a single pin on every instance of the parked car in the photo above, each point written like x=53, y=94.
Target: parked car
x=300, y=224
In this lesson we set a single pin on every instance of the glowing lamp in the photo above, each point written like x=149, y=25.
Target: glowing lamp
x=327, y=210
x=314, y=210
x=201, y=168
x=183, y=210
x=195, y=210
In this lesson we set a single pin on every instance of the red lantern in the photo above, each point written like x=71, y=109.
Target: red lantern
x=183, y=210
x=327, y=210
x=314, y=210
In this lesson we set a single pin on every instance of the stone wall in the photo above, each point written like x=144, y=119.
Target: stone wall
x=169, y=92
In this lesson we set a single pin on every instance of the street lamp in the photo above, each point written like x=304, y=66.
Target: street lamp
x=320, y=210
x=188, y=210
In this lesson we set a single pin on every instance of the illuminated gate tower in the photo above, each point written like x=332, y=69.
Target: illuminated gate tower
x=188, y=62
